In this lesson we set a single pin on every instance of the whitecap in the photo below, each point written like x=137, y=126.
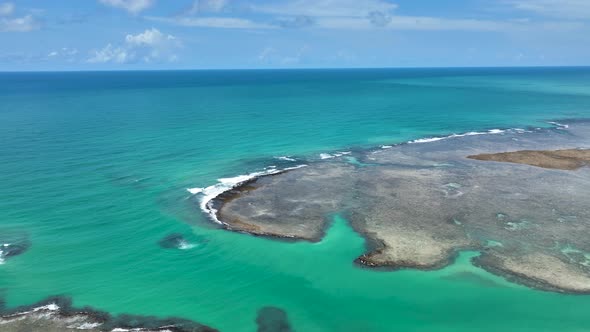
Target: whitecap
x=427, y=140
x=195, y=191
x=326, y=156
x=559, y=125
x=286, y=158
x=386, y=146
x=86, y=326
x=49, y=307
x=470, y=133
x=185, y=245
x=225, y=184
x=334, y=155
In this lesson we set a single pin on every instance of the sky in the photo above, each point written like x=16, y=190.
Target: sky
x=59, y=35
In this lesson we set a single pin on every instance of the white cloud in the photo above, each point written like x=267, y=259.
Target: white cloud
x=425, y=23
x=271, y=56
x=19, y=24
x=206, y=6
x=149, y=38
x=132, y=6
x=213, y=22
x=6, y=8
x=566, y=9
x=110, y=54
x=266, y=54
x=368, y=14
x=327, y=8
x=64, y=53
x=10, y=23
x=148, y=46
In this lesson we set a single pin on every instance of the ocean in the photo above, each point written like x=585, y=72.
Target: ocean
x=96, y=166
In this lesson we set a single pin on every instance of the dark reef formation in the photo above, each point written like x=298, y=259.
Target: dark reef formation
x=272, y=319
x=172, y=241
x=418, y=204
x=13, y=244
x=56, y=314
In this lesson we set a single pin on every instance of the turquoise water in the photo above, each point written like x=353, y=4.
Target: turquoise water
x=95, y=168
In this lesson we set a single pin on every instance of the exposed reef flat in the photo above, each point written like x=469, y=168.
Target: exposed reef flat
x=559, y=159
x=418, y=204
x=56, y=314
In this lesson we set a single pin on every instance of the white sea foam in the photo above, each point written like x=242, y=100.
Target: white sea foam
x=471, y=133
x=326, y=156
x=86, y=326
x=118, y=329
x=185, y=245
x=286, y=158
x=386, y=146
x=2, y=253
x=52, y=307
x=195, y=191
x=334, y=155
x=559, y=125
x=225, y=184
x=427, y=140
x=49, y=307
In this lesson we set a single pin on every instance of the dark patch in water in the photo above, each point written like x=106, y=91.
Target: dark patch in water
x=272, y=319
x=11, y=250
x=471, y=277
x=172, y=241
x=105, y=321
x=13, y=245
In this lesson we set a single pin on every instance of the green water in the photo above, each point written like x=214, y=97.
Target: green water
x=95, y=168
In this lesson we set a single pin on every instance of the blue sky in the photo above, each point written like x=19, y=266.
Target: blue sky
x=200, y=34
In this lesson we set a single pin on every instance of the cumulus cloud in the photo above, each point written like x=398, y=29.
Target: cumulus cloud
x=19, y=24
x=110, y=53
x=9, y=23
x=64, y=53
x=148, y=46
x=6, y=8
x=132, y=6
x=149, y=38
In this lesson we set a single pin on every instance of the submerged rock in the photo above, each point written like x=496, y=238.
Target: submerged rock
x=272, y=319
x=13, y=245
x=175, y=241
x=56, y=314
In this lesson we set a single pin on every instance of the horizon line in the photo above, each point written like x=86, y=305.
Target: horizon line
x=285, y=69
